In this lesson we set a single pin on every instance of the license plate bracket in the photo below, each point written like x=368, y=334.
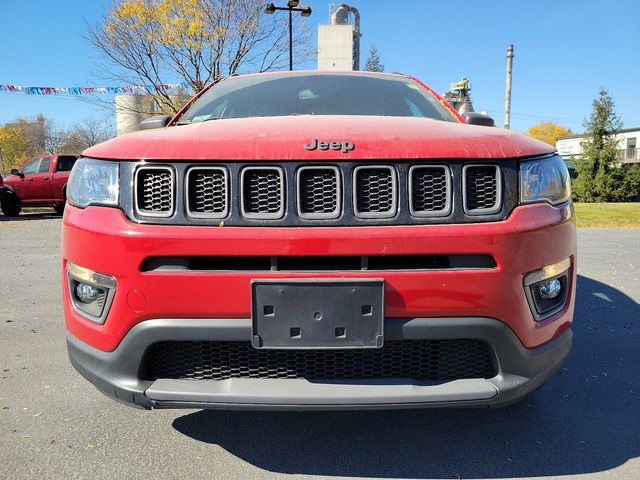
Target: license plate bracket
x=317, y=313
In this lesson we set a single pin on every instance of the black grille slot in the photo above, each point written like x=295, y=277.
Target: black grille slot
x=482, y=189
x=154, y=191
x=375, y=192
x=430, y=190
x=446, y=359
x=318, y=263
x=330, y=264
x=207, y=192
x=262, y=193
x=319, y=192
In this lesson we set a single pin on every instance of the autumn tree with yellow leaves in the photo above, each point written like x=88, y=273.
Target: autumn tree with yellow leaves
x=13, y=149
x=155, y=42
x=548, y=132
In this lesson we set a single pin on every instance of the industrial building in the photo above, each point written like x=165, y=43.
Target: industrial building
x=132, y=108
x=339, y=41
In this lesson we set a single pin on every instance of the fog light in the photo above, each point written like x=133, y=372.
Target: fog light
x=87, y=293
x=547, y=289
x=91, y=293
x=550, y=289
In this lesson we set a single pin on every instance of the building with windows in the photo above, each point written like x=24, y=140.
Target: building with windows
x=570, y=146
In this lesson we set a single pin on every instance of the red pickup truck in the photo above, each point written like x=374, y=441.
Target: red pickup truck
x=41, y=182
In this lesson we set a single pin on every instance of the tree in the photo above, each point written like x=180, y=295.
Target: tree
x=373, y=61
x=41, y=135
x=13, y=149
x=155, y=42
x=85, y=134
x=548, y=132
x=600, y=176
x=33, y=133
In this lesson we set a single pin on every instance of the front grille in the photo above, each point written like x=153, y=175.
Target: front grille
x=295, y=193
x=262, y=192
x=430, y=190
x=482, y=188
x=207, y=192
x=319, y=192
x=446, y=359
x=375, y=192
x=154, y=191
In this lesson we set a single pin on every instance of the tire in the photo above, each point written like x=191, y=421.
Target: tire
x=10, y=206
x=59, y=208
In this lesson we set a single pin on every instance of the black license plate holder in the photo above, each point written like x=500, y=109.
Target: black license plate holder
x=317, y=313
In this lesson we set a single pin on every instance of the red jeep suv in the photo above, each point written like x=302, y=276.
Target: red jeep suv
x=319, y=240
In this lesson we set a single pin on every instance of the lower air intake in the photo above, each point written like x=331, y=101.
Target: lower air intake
x=446, y=359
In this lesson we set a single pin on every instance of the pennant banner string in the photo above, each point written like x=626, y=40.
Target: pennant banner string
x=91, y=90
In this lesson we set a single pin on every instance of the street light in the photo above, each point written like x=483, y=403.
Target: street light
x=292, y=6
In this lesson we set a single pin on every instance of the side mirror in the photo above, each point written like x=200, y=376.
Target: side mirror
x=15, y=171
x=477, y=118
x=154, y=122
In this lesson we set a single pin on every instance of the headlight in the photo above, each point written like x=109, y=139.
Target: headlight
x=93, y=182
x=544, y=180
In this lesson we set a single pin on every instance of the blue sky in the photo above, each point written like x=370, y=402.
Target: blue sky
x=564, y=52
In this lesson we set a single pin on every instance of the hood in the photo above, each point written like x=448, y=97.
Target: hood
x=283, y=138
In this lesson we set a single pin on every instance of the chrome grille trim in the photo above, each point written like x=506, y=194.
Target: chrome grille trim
x=301, y=198
x=138, y=190
x=359, y=190
x=280, y=194
x=188, y=192
x=448, y=194
x=469, y=202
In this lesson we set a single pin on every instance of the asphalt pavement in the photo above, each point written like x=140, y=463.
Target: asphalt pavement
x=584, y=423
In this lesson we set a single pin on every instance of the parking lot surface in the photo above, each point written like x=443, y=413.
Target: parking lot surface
x=585, y=423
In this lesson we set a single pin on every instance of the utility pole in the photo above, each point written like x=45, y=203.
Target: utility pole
x=290, y=39
x=507, y=97
x=292, y=6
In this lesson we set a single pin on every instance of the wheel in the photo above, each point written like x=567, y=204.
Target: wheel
x=59, y=208
x=10, y=206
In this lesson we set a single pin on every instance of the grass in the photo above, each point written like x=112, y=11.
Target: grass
x=620, y=215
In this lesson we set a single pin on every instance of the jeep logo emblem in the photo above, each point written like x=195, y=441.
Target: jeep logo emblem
x=344, y=147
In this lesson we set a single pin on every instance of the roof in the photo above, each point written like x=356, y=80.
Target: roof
x=581, y=135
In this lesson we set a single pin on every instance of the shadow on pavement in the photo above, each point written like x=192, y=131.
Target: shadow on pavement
x=585, y=420
x=28, y=216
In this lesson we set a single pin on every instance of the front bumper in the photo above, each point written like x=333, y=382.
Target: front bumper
x=485, y=304
x=119, y=374
x=104, y=240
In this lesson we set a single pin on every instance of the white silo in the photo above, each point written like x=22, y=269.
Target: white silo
x=339, y=42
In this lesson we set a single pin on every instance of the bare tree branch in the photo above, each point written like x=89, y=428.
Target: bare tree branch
x=155, y=42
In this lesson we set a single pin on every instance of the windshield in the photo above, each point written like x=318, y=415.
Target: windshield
x=316, y=94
